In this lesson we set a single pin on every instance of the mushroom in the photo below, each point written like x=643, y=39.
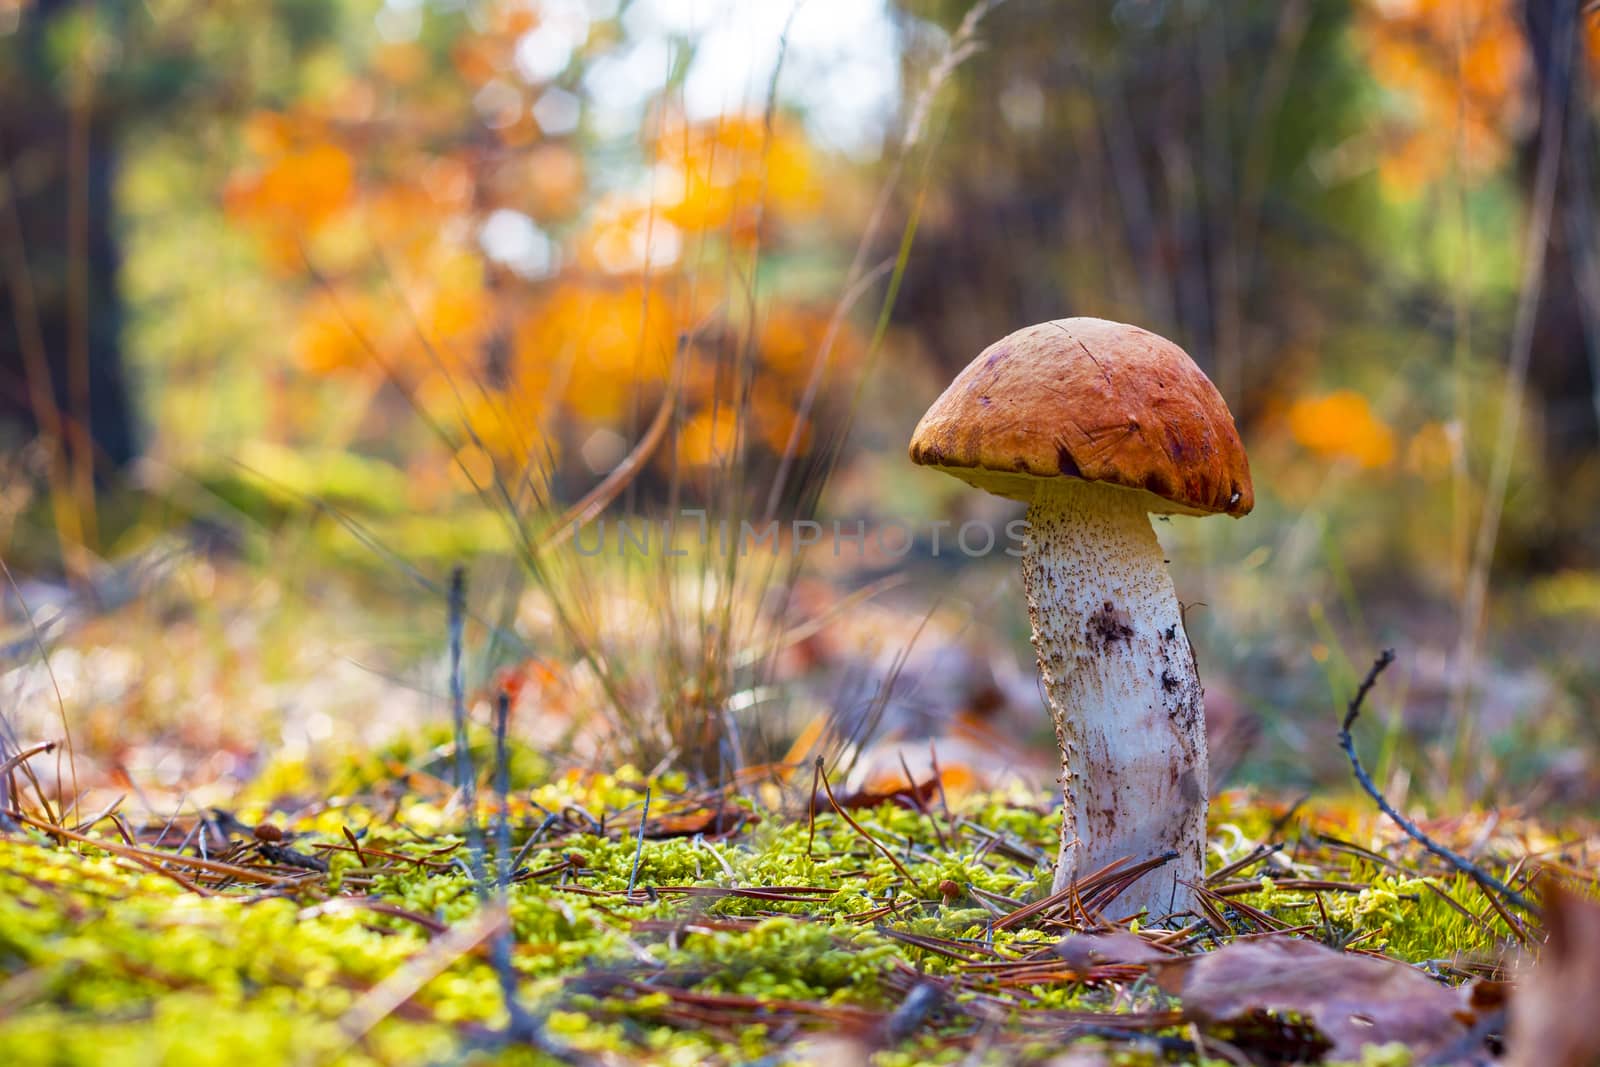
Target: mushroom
x=1096, y=424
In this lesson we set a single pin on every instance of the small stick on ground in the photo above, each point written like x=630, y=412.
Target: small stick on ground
x=1484, y=879
x=924, y=999
x=383, y=999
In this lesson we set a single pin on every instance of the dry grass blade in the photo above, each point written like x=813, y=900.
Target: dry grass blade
x=939, y=946
x=963, y=42
x=1260, y=919
x=26, y=754
x=857, y=827
x=600, y=497
x=1260, y=853
x=1556, y=99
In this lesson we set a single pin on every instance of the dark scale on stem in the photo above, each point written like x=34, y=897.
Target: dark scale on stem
x=1108, y=625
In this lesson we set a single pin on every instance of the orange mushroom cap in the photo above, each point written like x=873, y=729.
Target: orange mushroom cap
x=1094, y=400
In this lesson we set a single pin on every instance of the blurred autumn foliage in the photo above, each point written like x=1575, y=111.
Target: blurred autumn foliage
x=423, y=260
x=1457, y=75
x=424, y=207
x=441, y=239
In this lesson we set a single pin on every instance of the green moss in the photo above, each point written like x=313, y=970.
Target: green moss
x=103, y=961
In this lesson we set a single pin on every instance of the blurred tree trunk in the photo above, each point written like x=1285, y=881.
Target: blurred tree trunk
x=61, y=363
x=1565, y=369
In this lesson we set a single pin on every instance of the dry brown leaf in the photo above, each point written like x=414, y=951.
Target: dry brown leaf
x=1352, y=1000
x=1084, y=951
x=893, y=789
x=712, y=822
x=1553, y=1017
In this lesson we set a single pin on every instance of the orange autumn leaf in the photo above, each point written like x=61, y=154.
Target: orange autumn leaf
x=268, y=133
x=338, y=333
x=708, y=821
x=303, y=183
x=479, y=59
x=455, y=311
x=891, y=784
x=385, y=182
x=301, y=186
x=593, y=348
x=887, y=787
x=1342, y=426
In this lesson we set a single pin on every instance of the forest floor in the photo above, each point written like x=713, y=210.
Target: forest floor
x=598, y=918
x=274, y=860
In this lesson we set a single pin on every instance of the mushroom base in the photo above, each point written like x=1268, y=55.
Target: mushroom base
x=1124, y=693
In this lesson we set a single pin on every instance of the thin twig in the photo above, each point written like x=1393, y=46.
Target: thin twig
x=134, y=853
x=638, y=852
x=1456, y=860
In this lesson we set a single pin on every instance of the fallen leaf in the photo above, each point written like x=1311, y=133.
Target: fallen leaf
x=1549, y=1026
x=1084, y=951
x=893, y=790
x=1352, y=1000
x=712, y=822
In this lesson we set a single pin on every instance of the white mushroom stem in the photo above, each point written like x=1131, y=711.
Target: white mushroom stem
x=1123, y=691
